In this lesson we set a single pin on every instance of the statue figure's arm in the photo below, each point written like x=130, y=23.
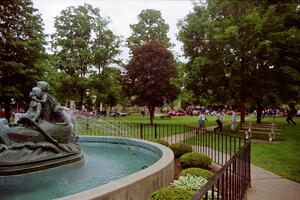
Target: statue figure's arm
x=43, y=100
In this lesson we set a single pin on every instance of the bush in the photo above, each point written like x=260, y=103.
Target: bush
x=196, y=172
x=160, y=141
x=193, y=183
x=194, y=159
x=189, y=182
x=171, y=193
x=180, y=148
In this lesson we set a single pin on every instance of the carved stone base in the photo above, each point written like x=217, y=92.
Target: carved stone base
x=29, y=167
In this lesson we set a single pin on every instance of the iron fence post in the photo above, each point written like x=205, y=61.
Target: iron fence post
x=141, y=131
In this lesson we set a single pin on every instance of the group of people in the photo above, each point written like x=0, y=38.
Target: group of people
x=202, y=120
x=234, y=124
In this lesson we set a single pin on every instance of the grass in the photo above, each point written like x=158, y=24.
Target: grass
x=187, y=120
x=282, y=158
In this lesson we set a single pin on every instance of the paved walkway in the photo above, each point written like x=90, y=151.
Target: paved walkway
x=265, y=185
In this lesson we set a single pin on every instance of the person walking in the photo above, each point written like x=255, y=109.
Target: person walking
x=219, y=121
x=201, y=120
x=234, y=121
x=291, y=113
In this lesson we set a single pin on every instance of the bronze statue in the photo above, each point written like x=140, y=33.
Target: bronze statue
x=46, y=132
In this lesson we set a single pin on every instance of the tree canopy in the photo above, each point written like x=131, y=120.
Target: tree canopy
x=233, y=49
x=148, y=77
x=83, y=45
x=150, y=26
x=21, y=50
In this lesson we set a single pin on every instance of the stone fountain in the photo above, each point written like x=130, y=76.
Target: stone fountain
x=44, y=137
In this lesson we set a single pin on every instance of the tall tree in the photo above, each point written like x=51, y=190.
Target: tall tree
x=231, y=49
x=21, y=49
x=83, y=41
x=148, y=76
x=150, y=26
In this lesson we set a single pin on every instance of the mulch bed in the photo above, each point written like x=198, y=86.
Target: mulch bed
x=177, y=168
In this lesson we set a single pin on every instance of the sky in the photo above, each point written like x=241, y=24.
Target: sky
x=122, y=13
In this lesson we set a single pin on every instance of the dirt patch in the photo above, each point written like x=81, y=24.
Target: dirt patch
x=177, y=168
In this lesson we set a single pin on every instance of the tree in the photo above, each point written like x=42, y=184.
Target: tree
x=82, y=43
x=109, y=86
x=21, y=49
x=232, y=50
x=151, y=26
x=148, y=76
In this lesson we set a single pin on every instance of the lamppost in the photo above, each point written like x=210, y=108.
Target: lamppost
x=87, y=126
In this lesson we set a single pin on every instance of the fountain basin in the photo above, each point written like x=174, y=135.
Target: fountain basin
x=137, y=185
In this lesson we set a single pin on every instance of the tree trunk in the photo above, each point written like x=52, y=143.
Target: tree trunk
x=81, y=99
x=7, y=109
x=242, y=86
x=151, y=112
x=259, y=111
x=242, y=109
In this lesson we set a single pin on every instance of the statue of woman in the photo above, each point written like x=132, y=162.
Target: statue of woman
x=52, y=111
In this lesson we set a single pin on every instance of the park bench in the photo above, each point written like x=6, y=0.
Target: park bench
x=269, y=130
x=163, y=116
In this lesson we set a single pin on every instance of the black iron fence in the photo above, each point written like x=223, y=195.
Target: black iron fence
x=231, y=181
x=232, y=153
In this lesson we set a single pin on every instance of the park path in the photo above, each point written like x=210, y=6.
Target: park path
x=265, y=185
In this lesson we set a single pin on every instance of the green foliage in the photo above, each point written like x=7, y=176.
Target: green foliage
x=194, y=159
x=171, y=193
x=180, y=149
x=234, y=44
x=196, y=172
x=21, y=44
x=160, y=141
x=84, y=46
x=189, y=182
x=193, y=183
x=150, y=26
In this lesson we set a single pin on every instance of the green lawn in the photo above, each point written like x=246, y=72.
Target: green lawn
x=187, y=120
x=282, y=158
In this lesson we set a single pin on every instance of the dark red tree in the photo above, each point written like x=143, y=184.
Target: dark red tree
x=148, y=77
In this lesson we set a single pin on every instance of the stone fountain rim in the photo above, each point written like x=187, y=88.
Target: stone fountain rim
x=161, y=172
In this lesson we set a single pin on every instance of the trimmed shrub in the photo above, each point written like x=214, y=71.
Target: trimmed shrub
x=172, y=193
x=194, y=159
x=160, y=141
x=196, y=172
x=180, y=148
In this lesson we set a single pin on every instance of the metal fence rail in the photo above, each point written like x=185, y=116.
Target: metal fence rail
x=231, y=181
x=230, y=152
